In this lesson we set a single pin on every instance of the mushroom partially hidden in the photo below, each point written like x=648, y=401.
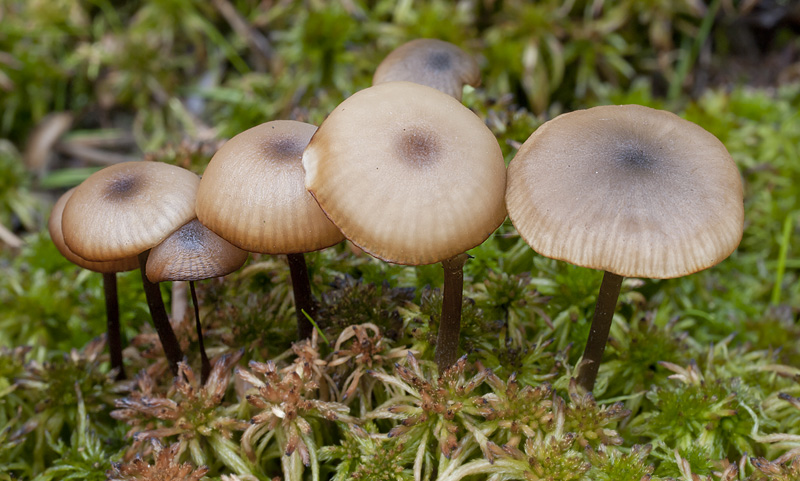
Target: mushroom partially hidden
x=428, y=61
x=633, y=191
x=123, y=211
x=252, y=195
x=412, y=177
x=193, y=253
x=108, y=270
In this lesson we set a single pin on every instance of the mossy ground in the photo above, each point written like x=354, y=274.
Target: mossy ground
x=700, y=379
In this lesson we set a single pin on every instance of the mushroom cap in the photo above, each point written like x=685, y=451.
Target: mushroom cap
x=54, y=226
x=430, y=62
x=407, y=173
x=193, y=253
x=252, y=193
x=627, y=189
x=127, y=208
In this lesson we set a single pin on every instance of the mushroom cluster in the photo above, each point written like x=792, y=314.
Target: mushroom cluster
x=409, y=175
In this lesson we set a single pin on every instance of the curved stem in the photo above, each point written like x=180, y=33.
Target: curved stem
x=303, y=300
x=205, y=370
x=113, y=331
x=601, y=326
x=169, y=342
x=450, y=324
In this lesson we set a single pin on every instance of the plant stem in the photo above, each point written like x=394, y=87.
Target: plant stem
x=205, y=370
x=450, y=324
x=303, y=300
x=601, y=326
x=113, y=331
x=169, y=342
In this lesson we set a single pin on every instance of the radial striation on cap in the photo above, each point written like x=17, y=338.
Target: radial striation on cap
x=407, y=173
x=54, y=226
x=627, y=189
x=193, y=253
x=430, y=62
x=252, y=193
x=127, y=208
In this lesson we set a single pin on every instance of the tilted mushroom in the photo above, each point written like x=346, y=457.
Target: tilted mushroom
x=252, y=195
x=107, y=269
x=126, y=209
x=412, y=177
x=633, y=191
x=193, y=253
x=428, y=61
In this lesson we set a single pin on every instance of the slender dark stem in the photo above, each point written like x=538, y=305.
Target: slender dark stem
x=113, y=331
x=450, y=324
x=169, y=342
x=206, y=364
x=601, y=326
x=303, y=300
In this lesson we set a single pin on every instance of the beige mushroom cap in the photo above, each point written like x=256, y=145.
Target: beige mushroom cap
x=407, y=173
x=430, y=62
x=627, y=189
x=54, y=226
x=127, y=208
x=252, y=193
x=193, y=253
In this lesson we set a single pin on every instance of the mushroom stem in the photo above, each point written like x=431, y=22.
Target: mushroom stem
x=601, y=325
x=169, y=342
x=303, y=300
x=113, y=331
x=450, y=324
x=206, y=364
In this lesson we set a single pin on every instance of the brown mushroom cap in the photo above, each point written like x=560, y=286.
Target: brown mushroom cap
x=127, y=208
x=430, y=62
x=407, y=173
x=628, y=189
x=193, y=253
x=252, y=193
x=54, y=226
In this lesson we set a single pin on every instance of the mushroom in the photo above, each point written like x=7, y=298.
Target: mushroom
x=193, y=253
x=108, y=270
x=630, y=190
x=124, y=210
x=252, y=195
x=430, y=62
x=412, y=177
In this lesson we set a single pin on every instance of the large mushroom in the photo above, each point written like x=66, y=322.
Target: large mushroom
x=412, y=177
x=252, y=195
x=630, y=190
x=428, y=61
x=193, y=253
x=123, y=211
x=109, y=271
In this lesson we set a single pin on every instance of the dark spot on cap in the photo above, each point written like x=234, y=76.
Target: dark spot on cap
x=635, y=157
x=418, y=146
x=439, y=61
x=284, y=148
x=123, y=187
x=191, y=235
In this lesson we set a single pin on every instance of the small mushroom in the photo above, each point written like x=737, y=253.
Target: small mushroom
x=193, y=253
x=252, y=195
x=124, y=210
x=108, y=270
x=412, y=177
x=428, y=61
x=633, y=191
